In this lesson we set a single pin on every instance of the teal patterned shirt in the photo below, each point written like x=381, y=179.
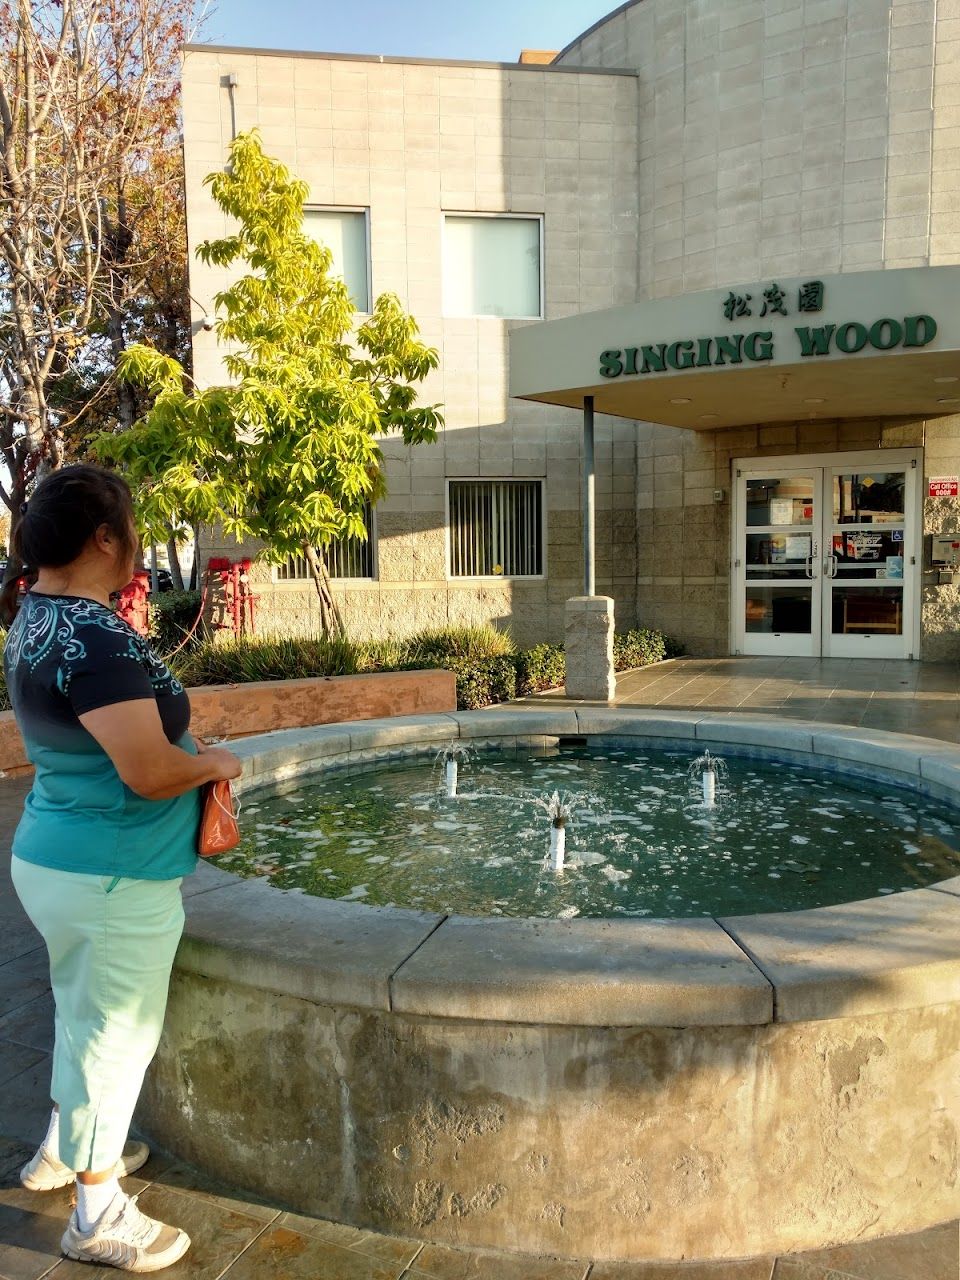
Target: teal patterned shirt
x=65, y=656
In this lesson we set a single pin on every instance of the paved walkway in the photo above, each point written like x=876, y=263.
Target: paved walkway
x=246, y=1240
x=905, y=697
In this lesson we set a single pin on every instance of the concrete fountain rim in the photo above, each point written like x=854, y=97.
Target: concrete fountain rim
x=873, y=956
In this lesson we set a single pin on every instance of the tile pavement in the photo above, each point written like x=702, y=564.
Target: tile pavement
x=242, y=1239
x=903, y=697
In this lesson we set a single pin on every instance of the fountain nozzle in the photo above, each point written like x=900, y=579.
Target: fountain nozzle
x=707, y=768
x=558, y=841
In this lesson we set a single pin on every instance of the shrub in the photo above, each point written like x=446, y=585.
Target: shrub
x=280, y=658
x=483, y=681
x=542, y=667
x=471, y=643
x=172, y=615
x=637, y=648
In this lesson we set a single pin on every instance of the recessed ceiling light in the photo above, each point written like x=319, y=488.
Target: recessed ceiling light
x=950, y=400
x=814, y=400
x=950, y=379
x=709, y=417
x=680, y=400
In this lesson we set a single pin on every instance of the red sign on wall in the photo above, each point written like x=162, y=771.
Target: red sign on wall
x=944, y=487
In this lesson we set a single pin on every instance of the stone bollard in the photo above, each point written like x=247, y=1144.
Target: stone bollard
x=588, y=639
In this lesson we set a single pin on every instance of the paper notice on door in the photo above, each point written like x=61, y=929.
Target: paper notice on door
x=781, y=511
x=864, y=546
x=798, y=546
x=894, y=566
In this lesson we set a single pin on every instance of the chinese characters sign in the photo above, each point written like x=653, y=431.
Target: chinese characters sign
x=774, y=301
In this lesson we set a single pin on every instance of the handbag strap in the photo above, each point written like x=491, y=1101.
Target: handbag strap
x=225, y=809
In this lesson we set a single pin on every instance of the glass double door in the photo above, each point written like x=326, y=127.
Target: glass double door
x=825, y=559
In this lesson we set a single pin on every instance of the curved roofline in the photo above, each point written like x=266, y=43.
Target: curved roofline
x=589, y=31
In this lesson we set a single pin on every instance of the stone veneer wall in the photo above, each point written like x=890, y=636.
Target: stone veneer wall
x=408, y=141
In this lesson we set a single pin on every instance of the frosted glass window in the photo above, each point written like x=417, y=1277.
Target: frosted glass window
x=344, y=232
x=491, y=266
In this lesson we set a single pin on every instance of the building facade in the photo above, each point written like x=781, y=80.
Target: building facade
x=670, y=220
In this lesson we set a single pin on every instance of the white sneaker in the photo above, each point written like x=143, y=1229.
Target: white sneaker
x=45, y=1172
x=125, y=1238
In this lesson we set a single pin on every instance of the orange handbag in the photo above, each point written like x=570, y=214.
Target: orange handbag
x=219, y=830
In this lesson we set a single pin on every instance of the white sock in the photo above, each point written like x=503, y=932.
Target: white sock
x=93, y=1199
x=51, y=1143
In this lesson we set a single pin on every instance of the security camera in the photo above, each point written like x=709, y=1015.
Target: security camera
x=207, y=323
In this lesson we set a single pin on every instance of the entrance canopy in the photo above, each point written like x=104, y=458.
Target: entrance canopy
x=858, y=345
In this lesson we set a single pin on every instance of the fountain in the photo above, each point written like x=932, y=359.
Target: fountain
x=709, y=769
x=559, y=806
x=451, y=756
x=559, y=813
x=463, y=1077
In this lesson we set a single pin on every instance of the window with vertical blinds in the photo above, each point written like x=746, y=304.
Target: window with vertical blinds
x=496, y=528
x=345, y=557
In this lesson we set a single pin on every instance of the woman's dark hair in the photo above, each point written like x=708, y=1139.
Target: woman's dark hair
x=65, y=511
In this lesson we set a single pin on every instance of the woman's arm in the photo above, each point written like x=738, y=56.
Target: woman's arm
x=131, y=733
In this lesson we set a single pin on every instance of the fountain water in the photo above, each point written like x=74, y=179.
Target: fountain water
x=451, y=757
x=560, y=807
x=558, y=843
x=709, y=769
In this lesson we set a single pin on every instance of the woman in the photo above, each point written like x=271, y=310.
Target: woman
x=109, y=830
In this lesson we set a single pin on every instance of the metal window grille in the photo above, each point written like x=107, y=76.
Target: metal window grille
x=345, y=557
x=496, y=528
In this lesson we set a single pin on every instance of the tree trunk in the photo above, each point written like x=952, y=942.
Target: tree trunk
x=195, y=567
x=331, y=620
x=173, y=559
x=126, y=396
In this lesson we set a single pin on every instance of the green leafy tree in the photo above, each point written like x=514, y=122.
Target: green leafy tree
x=286, y=453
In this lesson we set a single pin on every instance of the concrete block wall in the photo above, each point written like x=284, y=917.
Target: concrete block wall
x=780, y=137
x=408, y=141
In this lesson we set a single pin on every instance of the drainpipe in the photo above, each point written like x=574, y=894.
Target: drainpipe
x=589, y=500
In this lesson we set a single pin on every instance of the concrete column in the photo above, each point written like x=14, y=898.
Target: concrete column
x=588, y=641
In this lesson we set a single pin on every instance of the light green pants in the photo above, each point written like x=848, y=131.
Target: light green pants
x=111, y=944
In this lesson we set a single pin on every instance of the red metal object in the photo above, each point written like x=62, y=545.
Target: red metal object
x=238, y=599
x=132, y=606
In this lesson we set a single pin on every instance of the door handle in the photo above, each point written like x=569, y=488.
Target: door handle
x=811, y=557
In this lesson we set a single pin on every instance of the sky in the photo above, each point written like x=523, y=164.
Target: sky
x=494, y=30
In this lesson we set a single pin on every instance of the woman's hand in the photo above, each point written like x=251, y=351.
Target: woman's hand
x=222, y=759
x=227, y=765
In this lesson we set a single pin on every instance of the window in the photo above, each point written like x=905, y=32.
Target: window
x=344, y=232
x=345, y=557
x=491, y=266
x=496, y=528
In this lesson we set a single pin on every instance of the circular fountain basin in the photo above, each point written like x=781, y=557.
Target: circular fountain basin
x=622, y=1088
x=638, y=836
